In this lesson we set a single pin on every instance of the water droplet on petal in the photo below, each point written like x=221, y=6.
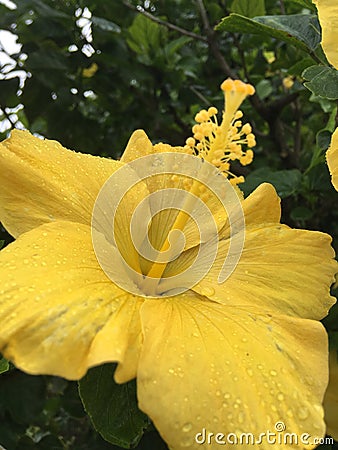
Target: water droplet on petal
x=187, y=427
x=303, y=413
x=241, y=417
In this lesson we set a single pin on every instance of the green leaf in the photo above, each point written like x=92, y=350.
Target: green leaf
x=248, y=8
x=4, y=364
x=286, y=182
x=1, y=244
x=322, y=81
x=264, y=89
x=301, y=30
x=46, y=11
x=105, y=25
x=144, y=35
x=113, y=407
x=305, y=3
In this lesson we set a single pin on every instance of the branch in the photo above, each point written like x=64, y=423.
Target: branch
x=170, y=26
x=213, y=44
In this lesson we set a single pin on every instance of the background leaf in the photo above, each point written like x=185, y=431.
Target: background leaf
x=113, y=407
x=300, y=30
x=322, y=81
x=4, y=365
x=248, y=8
x=286, y=182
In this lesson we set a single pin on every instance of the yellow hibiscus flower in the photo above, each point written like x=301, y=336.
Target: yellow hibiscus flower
x=237, y=355
x=332, y=158
x=328, y=17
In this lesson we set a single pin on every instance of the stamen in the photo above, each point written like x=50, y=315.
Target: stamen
x=221, y=143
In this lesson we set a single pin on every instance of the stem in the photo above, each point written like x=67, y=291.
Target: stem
x=211, y=39
x=169, y=25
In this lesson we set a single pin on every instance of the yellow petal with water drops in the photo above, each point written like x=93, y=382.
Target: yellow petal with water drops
x=58, y=309
x=261, y=206
x=279, y=269
x=331, y=397
x=41, y=181
x=138, y=145
x=332, y=158
x=328, y=18
x=209, y=369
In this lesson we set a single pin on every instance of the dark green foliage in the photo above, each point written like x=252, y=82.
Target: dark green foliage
x=113, y=407
x=155, y=71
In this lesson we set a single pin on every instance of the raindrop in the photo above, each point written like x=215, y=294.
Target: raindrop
x=303, y=413
x=187, y=427
x=241, y=417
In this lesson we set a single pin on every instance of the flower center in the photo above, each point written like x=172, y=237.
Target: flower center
x=218, y=144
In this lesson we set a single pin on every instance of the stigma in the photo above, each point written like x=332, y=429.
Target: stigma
x=227, y=141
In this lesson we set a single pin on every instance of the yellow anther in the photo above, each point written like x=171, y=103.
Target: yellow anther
x=247, y=128
x=212, y=111
x=198, y=136
x=227, y=85
x=238, y=124
x=250, y=155
x=190, y=142
x=238, y=115
x=202, y=116
x=236, y=180
x=225, y=166
x=250, y=91
x=239, y=86
x=247, y=158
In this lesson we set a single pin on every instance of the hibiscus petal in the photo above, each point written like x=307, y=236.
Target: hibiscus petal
x=41, y=181
x=229, y=370
x=332, y=158
x=139, y=145
x=328, y=17
x=261, y=206
x=58, y=309
x=280, y=269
